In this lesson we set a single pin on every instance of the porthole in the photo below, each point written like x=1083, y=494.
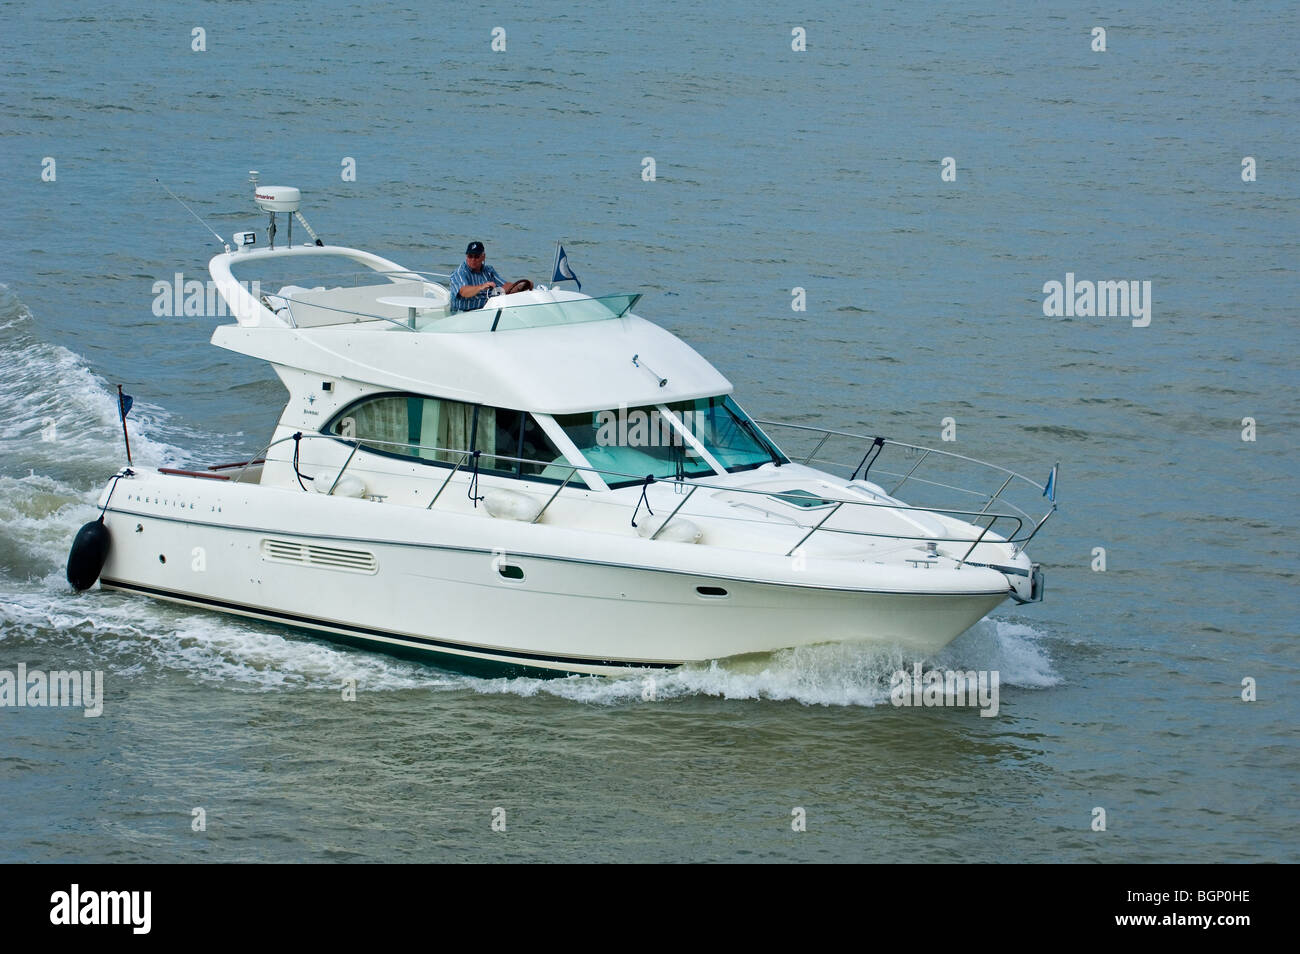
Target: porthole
x=509, y=571
x=713, y=592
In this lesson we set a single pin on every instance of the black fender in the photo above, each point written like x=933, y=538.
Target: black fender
x=88, y=553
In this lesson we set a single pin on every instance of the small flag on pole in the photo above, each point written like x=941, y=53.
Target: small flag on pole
x=563, y=273
x=1050, y=490
x=124, y=402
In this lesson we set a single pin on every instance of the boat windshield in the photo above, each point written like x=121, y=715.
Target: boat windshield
x=545, y=314
x=642, y=441
x=636, y=442
x=727, y=433
x=575, y=311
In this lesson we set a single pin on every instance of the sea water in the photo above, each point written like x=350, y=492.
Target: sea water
x=914, y=177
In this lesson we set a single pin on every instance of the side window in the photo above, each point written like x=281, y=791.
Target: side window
x=406, y=426
x=498, y=433
x=517, y=434
x=439, y=431
x=581, y=429
x=381, y=424
x=543, y=458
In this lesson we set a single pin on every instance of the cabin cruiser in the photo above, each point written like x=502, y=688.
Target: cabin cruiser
x=551, y=483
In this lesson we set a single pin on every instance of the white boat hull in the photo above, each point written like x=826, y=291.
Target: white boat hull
x=424, y=582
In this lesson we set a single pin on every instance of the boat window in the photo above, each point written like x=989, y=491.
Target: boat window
x=727, y=433
x=515, y=434
x=408, y=426
x=630, y=443
x=543, y=460
x=502, y=316
x=440, y=431
x=576, y=311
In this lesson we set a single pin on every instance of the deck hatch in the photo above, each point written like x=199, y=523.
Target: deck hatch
x=312, y=554
x=801, y=498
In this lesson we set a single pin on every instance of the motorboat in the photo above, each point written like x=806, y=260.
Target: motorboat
x=548, y=483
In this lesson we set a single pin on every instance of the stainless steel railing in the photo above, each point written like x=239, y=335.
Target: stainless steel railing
x=348, y=315
x=1010, y=479
x=459, y=458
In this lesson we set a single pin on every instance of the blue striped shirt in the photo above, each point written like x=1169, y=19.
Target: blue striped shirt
x=464, y=276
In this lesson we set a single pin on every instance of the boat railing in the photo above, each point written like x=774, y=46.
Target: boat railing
x=335, y=282
x=490, y=318
x=347, y=316
x=996, y=509
x=362, y=276
x=1004, y=488
x=354, y=278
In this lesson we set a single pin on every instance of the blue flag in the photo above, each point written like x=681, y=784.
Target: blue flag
x=563, y=273
x=124, y=404
x=1050, y=490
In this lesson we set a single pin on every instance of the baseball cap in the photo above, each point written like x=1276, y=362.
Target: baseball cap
x=474, y=248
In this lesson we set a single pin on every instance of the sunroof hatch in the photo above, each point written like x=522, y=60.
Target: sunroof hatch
x=802, y=498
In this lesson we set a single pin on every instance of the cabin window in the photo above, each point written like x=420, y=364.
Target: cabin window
x=542, y=459
x=408, y=426
x=727, y=433
x=628, y=443
x=439, y=431
x=516, y=434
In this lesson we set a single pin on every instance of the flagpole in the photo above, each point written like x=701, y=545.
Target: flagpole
x=122, y=415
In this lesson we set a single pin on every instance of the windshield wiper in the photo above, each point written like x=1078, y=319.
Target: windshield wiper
x=752, y=432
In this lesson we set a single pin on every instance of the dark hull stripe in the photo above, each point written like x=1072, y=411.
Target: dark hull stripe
x=363, y=631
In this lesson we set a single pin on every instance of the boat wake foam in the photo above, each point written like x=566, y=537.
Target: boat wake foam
x=131, y=636
x=57, y=417
x=839, y=674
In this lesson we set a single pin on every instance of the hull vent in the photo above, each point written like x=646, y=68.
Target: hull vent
x=311, y=554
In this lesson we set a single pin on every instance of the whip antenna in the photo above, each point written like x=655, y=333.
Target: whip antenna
x=195, y=214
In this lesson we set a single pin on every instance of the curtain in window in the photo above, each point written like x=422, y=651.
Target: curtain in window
x=450, y=424
x=383, y=421
x=414, y=426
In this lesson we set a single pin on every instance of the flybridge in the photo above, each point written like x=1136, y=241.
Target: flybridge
x=385, y=294
x=579, y=352
x=390, y=297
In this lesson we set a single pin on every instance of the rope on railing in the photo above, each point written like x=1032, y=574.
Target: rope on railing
x=649, y=479
x=472, y=493
x=297, y=444
x=875, y=447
